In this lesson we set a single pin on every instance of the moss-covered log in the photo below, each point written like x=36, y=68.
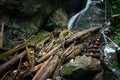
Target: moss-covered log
x=5, y=55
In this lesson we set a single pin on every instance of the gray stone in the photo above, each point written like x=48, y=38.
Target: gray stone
x=81, y=67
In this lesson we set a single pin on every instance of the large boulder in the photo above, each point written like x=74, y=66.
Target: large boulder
x=24, y=18
x=81, y=68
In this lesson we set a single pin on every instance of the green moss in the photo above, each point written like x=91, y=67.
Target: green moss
x=41, y=35
x=67, y=69
x=114, y=65
x=3, y=56
x=64, y=32
x=117, y=38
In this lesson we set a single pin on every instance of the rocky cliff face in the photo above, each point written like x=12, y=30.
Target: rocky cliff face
x=24, y=18
x=27, y=8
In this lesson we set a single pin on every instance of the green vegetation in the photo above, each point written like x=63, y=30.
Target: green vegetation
x=116, y=21
x=117, y=37
x=114, y=65
x=68, y=69
x=41, y=35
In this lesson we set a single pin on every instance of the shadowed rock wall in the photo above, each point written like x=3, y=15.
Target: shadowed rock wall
x=24, y=18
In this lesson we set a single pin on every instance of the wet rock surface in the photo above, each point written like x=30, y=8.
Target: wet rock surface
x=91, y=15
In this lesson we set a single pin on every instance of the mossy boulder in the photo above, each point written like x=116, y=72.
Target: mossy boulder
x=83, y=68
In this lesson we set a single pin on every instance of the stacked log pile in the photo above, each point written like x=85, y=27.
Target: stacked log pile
x=42, y=59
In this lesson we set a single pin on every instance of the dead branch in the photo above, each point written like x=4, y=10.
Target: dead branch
x=40, y=71
x=4, y=55
x=1, y=34
x=52, y=52
x=50, y=69
x=5, y=66
x=81, y=33
x=28, y=72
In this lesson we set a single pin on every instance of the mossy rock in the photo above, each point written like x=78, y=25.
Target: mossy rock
x=81, y=68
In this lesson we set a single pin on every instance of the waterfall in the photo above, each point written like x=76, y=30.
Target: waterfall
x=79, y=14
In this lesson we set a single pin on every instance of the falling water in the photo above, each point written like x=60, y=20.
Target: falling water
x=79, y=14
x=91, y=15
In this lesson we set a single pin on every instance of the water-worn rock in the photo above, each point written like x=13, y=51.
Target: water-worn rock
x=81, y=67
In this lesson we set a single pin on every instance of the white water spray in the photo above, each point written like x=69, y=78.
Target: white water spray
x=79, y=14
